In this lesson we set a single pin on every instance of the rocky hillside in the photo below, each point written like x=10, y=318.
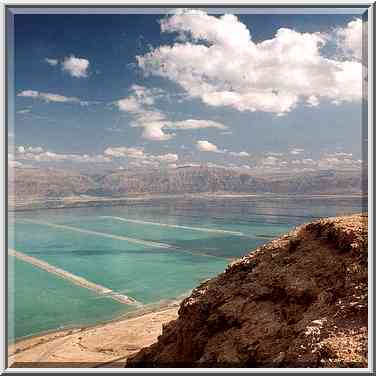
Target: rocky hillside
x=51, y=183
x=299, y=301
x=48, y=182
x=204, y=179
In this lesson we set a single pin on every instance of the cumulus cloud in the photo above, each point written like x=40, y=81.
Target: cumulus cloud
x=269, y=161
x=139, y=153
x=123, y=151
x=129, y=104
x=350, y=39
x=296, y=151
x=305, y=161
x=169, y=157
x=204, y=145
x=240, y=154
x=52, y=62
x=136, y=156
x=339, y=154
x=257, y=77
x=338, y=163
x=76, y=66
x=325, y=162
x=37, y=154
x=24, y=111
x=274, y=154
x=140, y=104
x=50, y=97
x=154, y=131
x=139, y=98
x=56, y=157
x=313, y=101
x=195, y=124
x=28, y=149
x=36, y=149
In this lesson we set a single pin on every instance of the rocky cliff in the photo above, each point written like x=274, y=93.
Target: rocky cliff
x=298, y=301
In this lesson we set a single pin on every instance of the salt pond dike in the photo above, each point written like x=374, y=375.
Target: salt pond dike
x=298, y=301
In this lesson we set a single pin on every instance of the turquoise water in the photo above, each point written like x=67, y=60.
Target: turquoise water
x=106, y=245
x=39, y=301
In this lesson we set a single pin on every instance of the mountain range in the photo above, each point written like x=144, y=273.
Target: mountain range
x=51, y=183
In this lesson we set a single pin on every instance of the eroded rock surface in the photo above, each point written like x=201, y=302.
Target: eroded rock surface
x=298, y=301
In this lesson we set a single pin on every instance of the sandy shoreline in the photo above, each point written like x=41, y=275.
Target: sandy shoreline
x=102, y=345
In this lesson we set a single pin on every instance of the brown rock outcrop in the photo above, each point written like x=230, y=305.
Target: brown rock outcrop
x=298, y=301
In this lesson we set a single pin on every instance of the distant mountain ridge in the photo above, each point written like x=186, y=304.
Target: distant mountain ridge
x=55, y=183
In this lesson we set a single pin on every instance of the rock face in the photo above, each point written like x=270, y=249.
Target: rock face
x=299, y=301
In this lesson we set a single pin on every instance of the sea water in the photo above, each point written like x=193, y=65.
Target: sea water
x=152, y=251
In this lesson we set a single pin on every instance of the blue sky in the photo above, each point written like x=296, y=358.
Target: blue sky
x=117, y=89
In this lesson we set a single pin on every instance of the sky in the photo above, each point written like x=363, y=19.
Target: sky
x=256, y=92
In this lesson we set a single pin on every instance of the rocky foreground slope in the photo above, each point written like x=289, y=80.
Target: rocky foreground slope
x=299, y=301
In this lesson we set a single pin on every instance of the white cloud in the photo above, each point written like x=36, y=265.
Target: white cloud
x=273, y=154
x=136, y=156
x=312, y=101
x=29, y=93
x=50, y=97
x=258, y=76
x=129, y=104
x=187, y=165
x=206, y=146
x=169, y=157
x=154, y=122
x=195, y=124
x=37, y=154
x=269, y=161
x=52, y=62
x=123, y=151
x=337, y=163
x=139, y=103
x=203, y=145
x=76, y=66
x=339, y=154
x=350, y=39
x=145, y=95
x=296, y=151
x=139, y=98
x=240, y=154
x=138, y=153
x=36, y=149
x=154, y=131
x=24, y=111
x=305, y=161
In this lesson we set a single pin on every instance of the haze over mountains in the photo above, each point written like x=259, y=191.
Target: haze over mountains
x=44, y=183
